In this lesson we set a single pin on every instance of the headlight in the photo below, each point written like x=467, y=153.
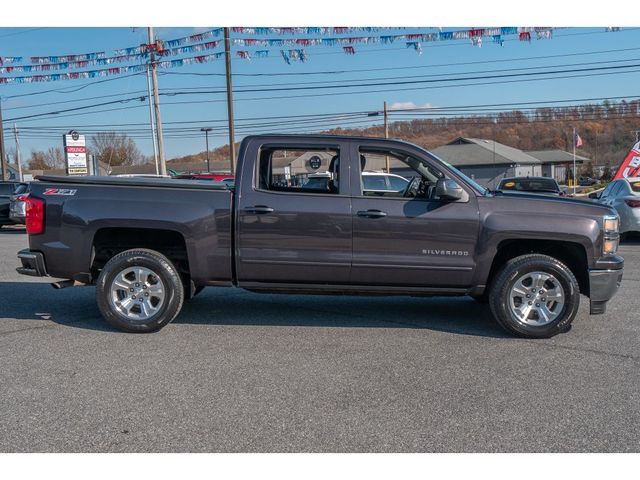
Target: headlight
x=611, y=224
x=611, y=237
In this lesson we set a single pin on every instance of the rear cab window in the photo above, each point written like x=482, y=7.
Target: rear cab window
x=299, y=170
x=635, y=186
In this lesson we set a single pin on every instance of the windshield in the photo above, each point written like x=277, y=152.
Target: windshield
x=467, y=179
x=529, y=185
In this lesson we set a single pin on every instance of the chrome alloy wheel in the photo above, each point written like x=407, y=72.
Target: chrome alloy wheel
x=137, y=293
x=536, y=298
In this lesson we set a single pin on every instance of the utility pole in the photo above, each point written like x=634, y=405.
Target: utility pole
x=3, y=157
x=18, y=159
x=574, y=161
x=154, y=140
x=227, y=59
x=156, y=102
x=386, y=135
x=206, y=131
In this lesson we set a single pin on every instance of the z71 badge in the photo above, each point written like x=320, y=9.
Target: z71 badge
x=60, y=191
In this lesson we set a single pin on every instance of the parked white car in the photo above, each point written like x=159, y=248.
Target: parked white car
x=373, y=183
x=624, y=195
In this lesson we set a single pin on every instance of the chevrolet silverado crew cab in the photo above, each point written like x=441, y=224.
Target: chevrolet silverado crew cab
x=148, y=244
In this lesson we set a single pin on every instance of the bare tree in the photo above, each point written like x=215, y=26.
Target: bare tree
x=54, y=157
x=38, y=161
x=115, y=149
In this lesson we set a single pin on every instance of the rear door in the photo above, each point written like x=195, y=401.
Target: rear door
x=402, y=239
x=290, y=228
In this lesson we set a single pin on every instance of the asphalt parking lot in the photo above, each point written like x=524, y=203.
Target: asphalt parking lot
x=239, y=371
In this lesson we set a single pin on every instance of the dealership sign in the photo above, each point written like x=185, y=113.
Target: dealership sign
x=75, y=152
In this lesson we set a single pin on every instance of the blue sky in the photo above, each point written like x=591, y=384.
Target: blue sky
x=210, y=109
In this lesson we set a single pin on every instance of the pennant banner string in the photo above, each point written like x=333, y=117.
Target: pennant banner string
x=107, y=60
x=110, y=71
x=184, y=45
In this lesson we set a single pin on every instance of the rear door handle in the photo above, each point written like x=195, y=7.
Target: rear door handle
x=371, y=213
x=259, y=209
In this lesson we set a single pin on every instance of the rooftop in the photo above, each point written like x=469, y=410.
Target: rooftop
x=476, y=151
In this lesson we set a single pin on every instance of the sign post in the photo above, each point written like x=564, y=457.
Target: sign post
x=75, y=152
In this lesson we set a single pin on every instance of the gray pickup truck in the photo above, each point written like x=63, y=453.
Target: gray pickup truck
x=151, y=244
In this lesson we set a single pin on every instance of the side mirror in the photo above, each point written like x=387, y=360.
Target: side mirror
x=595, y=195
x=448, y=190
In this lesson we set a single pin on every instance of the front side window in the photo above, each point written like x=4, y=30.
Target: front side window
x=389, y=173
x=299, y=170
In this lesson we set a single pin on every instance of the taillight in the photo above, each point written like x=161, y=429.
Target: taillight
x=34, y=208
x=633, y=203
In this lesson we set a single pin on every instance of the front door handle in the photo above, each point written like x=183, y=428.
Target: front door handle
x=259, y=209
x=371, y=213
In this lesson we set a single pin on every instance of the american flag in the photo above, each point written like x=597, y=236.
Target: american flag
x=577, y=140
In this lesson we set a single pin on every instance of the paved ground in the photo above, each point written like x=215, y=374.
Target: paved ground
x=246, y=372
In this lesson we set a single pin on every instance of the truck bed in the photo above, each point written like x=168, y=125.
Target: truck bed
x=134, y=182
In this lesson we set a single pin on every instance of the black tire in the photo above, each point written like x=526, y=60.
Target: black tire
x=514, y=269
x=160, y=266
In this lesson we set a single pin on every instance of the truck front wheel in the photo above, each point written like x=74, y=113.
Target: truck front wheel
x=534, y=296
x=139, y=291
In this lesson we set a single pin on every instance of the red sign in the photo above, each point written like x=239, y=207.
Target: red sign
x=630, y=166
x=75, y=149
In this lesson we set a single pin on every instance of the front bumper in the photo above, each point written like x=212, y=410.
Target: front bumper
x=603, y=285
x=32, y=263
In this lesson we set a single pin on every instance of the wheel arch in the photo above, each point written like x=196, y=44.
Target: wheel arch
x=572, y=254
x=109, y=241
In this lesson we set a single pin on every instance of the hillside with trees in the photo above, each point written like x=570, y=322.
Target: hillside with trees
x=607, y=130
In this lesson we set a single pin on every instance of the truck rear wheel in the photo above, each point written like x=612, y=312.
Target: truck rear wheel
x=534, y=296
x=140, y=291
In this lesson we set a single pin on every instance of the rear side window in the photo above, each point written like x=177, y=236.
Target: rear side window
x=6, y=188
x=299, y=170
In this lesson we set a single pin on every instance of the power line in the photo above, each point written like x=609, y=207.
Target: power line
x=29, y=30
x=412, y=67
x=434, y=110
x=73, y=90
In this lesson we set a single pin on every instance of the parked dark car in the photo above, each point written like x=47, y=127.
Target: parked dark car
x=6, y=192
x=541, y=185
x=586, y=181
x=151, y=244
x=17, y=203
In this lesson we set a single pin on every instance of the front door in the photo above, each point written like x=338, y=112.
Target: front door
x=294, y=215
x=406, y=236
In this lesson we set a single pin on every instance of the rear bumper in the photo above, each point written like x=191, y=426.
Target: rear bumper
x=32, y=263
x=603, y=285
